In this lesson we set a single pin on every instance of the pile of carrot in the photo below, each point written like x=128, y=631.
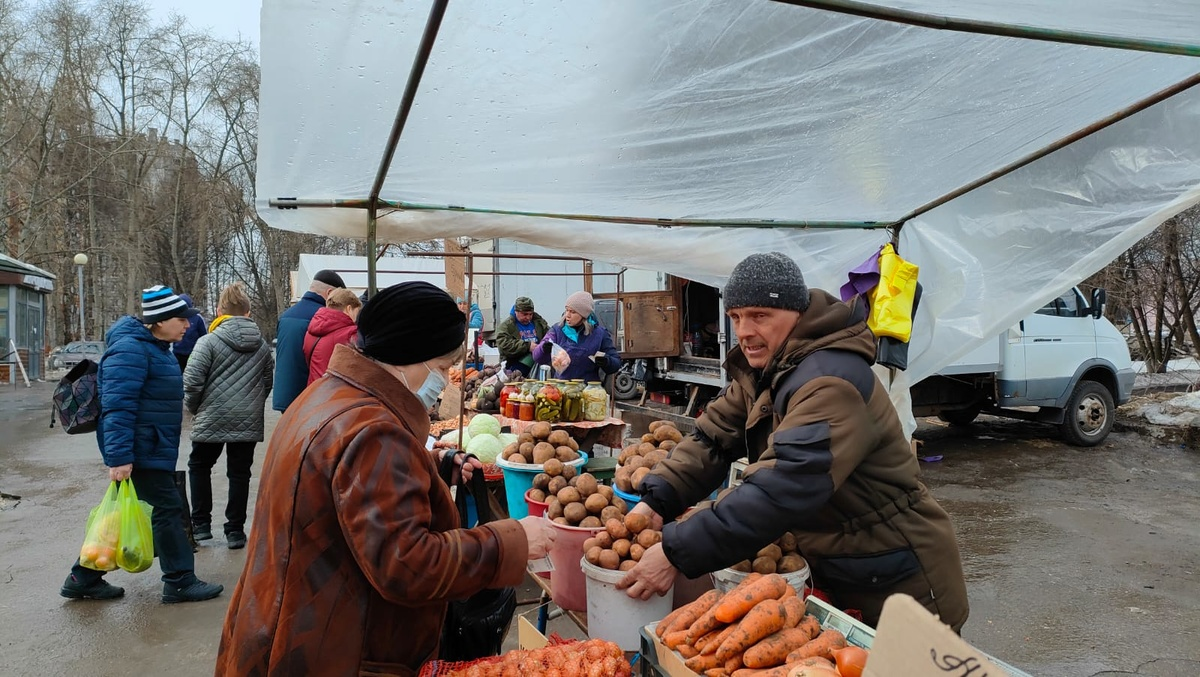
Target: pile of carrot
x=758, y=629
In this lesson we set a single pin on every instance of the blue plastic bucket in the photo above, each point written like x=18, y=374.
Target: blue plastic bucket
x=518, y=479
x=630, y=499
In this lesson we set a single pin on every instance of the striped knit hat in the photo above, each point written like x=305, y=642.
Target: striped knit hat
x=160, y=303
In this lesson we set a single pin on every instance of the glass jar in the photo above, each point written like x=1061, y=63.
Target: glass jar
x=572, y=402
x=548, y=404
x=595, y=402
x=525, y=408
x=506, y=394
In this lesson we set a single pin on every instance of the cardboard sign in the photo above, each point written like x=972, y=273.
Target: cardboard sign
x=451, y=400
x=528, y=636
x=912, y=642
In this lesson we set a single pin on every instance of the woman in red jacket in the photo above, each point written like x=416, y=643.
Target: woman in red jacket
x=332, y=325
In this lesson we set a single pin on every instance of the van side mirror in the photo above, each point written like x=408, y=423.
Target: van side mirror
x=1099, y=299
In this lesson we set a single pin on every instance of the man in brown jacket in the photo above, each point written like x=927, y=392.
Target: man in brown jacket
x=356, y=547
x=828, y=460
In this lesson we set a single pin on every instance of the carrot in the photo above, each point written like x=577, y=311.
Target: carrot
x=667, y=620
x=689, y=613
x=704, y=641
x=716, y=672
x=687, y=651
x=715, y=643
x=822, y=646
x=774, y=649
x=780, y=671
x=703, y=625
x=703, y=663
x=674, y=639
x=811, y=624
x=793, y=608
x=764, y=619
x=734, y=664
x=814, y=662
x=790, y=592
x=742, y=599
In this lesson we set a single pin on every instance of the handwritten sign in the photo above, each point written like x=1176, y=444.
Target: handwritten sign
x=911, y=642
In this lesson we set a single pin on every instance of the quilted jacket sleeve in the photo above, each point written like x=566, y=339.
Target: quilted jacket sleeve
x=381, y=490
x=123, y=373
x=196, y=376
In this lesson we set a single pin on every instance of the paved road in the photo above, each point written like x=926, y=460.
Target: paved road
x=1079, y=561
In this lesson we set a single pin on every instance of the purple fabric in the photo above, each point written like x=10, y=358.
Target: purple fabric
x=863, y=278
x=581, y=364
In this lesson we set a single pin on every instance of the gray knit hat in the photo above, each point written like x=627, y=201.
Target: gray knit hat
x=770, y=280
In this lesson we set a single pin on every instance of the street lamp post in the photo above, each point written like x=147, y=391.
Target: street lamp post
x=81, y=261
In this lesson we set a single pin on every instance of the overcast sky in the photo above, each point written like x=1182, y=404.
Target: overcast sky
x=226, y=18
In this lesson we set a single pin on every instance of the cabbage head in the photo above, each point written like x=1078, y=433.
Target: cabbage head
x=507, y=438
x=484, y=424
x=452, y=438
x=486, y=447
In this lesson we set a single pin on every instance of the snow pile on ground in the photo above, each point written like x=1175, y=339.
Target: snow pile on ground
x=1183, y=410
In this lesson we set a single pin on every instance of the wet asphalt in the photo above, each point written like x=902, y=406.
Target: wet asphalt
x=1078, y=561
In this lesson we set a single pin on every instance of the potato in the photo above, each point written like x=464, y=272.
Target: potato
x=562, y=520
x=743, y=566
x=638, y=476
x=575, y=512
x=787, y=542
x=554, y=507
x=645, y=448
x=574, y=481
x=559, y=438
x=764, y=565
x=624, y=483
x=590, y=522
x=666, y=445
x=569, y=495
x=556, y=485
x=619, y=503
x=648, y=437
x=616, y=529
x=517, y=458
x=537, y=495
x=636, y=522
x=565, y=454
x=621, y=547
x=654, y=458
x=609, y=513
x=636, y=551
x=654, y=426
x=791, y=564
x=590, y=543
x=627, y=565
x=511, y=449
x=525, y=438
x=605, y=539
x=609, y=559
x=568, y=471
x=665, y=433
x=626, y=454
x=540, y=430
x=595, y=504
x=542, y=452
x=541, y=481
x=526, y=449
x=648, y=538
x=635, y=462
x=772, y=551
x=605, y=490
x=587, y=484
x=593, y=553
x=553, y=467
x=573, y=444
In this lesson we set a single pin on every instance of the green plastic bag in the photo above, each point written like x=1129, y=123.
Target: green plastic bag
x=99, y=549
x=135, y=543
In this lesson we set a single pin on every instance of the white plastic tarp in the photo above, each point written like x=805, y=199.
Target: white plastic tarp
x=733, y=110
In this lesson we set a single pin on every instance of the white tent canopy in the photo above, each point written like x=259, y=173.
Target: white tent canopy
x=646, y=113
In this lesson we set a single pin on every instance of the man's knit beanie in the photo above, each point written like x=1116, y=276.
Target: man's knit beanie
x=771, y=280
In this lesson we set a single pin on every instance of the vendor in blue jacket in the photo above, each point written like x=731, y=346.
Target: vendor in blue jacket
x=291, y=366
x=141, y=399
x=587, y=352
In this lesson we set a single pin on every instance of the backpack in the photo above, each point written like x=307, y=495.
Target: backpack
x=77, y=399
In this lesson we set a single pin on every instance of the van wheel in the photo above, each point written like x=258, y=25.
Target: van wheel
x=624, y=386
x=960, y=417
x=1089, y=415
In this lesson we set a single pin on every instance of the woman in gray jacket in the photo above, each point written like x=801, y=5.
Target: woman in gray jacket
x=225, y=385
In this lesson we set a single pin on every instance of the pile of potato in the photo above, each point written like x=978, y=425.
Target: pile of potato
x=780, y=557
x=540, y=444
x=622, y=543
x=575, y=500
x=637, y=459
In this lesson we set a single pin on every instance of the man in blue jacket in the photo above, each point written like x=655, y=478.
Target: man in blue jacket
x=196, y=329
x=291, y=368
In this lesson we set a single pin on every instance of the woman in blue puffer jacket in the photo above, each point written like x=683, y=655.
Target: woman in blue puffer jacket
x=141, y=400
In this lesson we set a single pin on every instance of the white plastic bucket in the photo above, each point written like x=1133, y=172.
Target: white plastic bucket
x=615, y=616
x=728, y=579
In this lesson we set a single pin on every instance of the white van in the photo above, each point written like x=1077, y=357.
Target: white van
x=1066, y=364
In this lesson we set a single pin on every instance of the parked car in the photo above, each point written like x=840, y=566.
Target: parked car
x=74, y=352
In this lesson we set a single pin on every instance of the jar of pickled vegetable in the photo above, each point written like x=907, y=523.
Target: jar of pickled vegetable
x=595, y=402
x=506, y=393
x=525, y=408
x=572, y=402
x=548, y=404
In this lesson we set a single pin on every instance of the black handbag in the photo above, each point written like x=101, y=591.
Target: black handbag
x=475, y=627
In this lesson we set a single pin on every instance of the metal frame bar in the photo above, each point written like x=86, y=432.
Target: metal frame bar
x=940, y=22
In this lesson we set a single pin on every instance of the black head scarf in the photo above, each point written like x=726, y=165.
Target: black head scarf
x=410, y=322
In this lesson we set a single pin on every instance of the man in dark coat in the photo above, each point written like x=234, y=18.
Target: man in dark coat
x=196, y=328
x=291, y=369
x=828, y=460
x=518, y=334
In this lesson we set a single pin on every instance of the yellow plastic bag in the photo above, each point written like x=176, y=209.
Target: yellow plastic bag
x=892, y=298
x=100, y=537
x=135, y=544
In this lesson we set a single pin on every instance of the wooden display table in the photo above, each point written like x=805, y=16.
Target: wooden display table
x=610, y=432
x=541, y=575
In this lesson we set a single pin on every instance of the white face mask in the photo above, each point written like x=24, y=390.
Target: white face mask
x=433, y=386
